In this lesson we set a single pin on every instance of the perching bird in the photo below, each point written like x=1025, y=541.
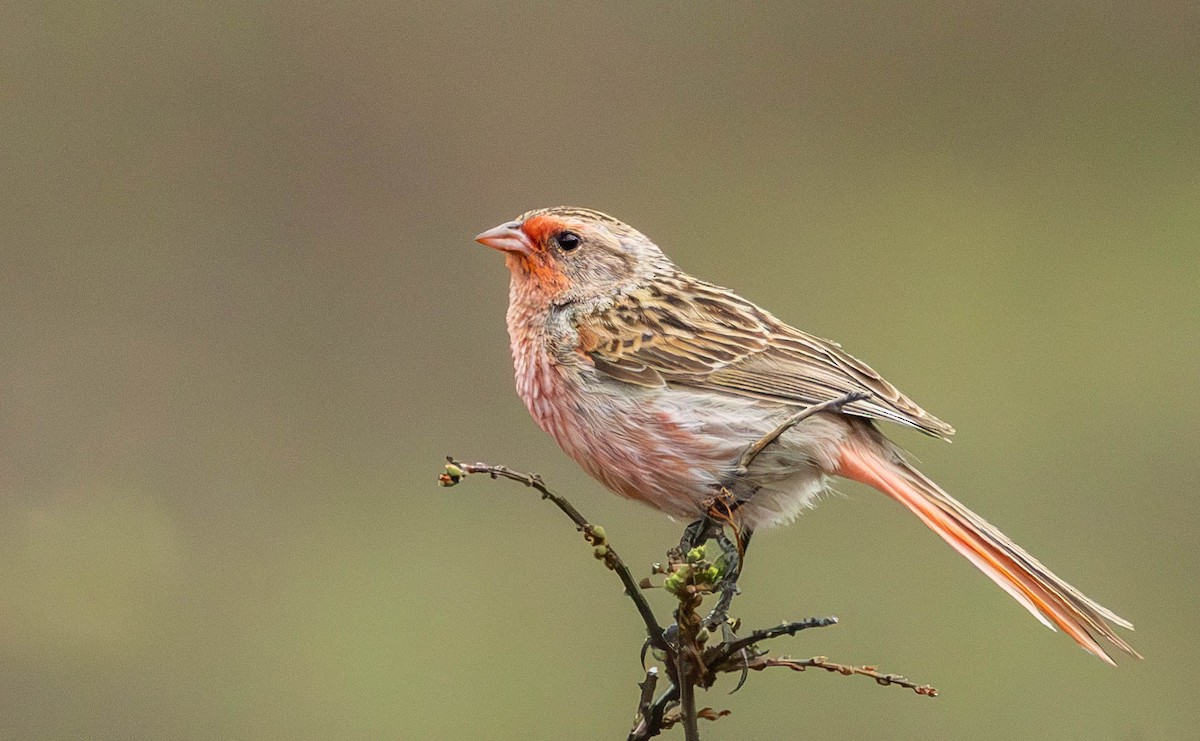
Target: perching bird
x=656, y=383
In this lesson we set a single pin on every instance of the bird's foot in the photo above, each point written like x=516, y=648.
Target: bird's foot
x=729, y=563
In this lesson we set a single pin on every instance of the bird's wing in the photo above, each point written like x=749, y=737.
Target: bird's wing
x=700, y=335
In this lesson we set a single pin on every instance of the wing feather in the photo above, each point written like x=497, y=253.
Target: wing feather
x=696, y=334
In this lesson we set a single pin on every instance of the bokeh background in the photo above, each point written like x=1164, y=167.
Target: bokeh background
x=242, y=320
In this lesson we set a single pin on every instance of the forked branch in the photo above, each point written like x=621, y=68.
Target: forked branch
x=689, y=662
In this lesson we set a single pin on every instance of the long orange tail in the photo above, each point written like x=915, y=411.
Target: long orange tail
x=1049, y=598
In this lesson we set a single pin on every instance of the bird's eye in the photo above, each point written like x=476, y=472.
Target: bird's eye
x=568, y=241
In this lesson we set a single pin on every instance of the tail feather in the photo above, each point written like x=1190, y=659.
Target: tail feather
x=1050, y=599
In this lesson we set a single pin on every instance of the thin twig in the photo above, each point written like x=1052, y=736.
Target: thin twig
x=614, y=562
x=646, y=698
x=833, y=405
x=726, y=651
x=821, y=662
x=652, y=723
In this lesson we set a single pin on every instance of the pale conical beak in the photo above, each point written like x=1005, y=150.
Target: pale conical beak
x=507, y=237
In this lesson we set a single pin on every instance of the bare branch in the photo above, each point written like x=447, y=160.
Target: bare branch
x=726, y=651
x=691, y=576
x=647, y=686
x=821, y=662
x=652, y=723
x=687, y=698
x=593, y=533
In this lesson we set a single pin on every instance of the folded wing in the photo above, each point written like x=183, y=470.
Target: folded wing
x=697, y=334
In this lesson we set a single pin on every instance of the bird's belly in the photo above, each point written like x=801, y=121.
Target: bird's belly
x=650, y=449
x=673, y=447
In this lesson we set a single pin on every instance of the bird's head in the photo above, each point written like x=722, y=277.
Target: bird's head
x=571, y=254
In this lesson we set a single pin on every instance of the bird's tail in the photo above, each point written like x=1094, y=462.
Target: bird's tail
x=1049, y=598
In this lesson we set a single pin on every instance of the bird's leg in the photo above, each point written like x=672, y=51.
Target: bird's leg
x=722, y=507
x=697, y=534
x=719, y=513
x=734, y=555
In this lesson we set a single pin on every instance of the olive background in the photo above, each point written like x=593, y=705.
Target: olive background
x=243, y=321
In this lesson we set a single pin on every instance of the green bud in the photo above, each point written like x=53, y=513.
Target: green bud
x=696, y=554
x=676, y=582
x=600, y=552
x=452, y=475
x=598, y=535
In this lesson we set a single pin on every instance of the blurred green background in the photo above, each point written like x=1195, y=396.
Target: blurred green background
x=243, y=320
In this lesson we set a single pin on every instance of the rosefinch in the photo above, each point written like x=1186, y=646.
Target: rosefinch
x=656, y=383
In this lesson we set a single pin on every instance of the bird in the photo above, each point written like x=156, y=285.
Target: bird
x=657, y=383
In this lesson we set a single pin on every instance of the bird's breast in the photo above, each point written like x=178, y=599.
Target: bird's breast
x=624, y=437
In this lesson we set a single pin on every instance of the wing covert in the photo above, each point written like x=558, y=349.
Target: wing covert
x=695, y=334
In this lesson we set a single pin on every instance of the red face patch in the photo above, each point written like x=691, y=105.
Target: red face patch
x=540, y=228
x=541, y=265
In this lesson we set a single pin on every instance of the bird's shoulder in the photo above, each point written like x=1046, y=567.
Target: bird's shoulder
x=667, y=330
